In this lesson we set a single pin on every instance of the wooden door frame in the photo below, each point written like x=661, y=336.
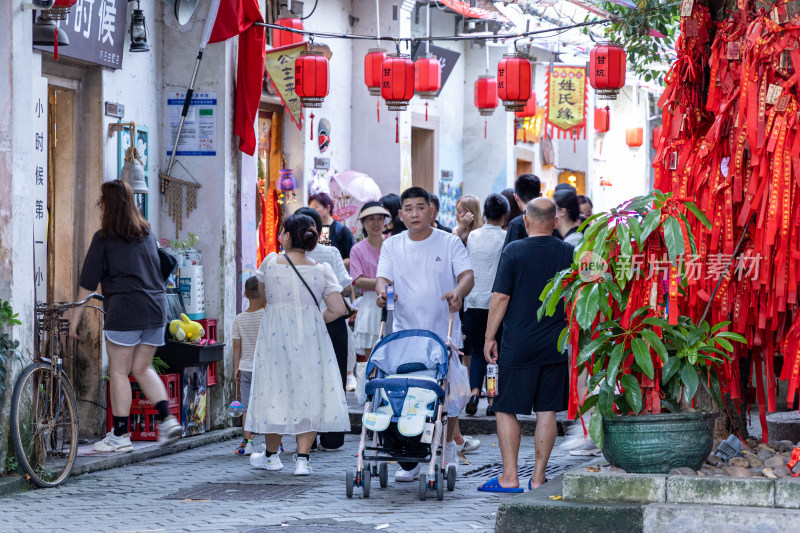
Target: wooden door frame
x=432, y=124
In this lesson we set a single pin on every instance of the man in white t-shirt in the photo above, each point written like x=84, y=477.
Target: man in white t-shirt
x=431, y=275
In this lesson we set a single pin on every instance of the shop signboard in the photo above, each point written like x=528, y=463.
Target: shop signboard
x=199, y=133
x=38, y=177
x=96, y=32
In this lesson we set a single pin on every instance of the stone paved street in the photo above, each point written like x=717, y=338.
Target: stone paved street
x=155, y=496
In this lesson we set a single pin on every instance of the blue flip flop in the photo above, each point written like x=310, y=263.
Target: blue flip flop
x=530, y=487
x=494, y=486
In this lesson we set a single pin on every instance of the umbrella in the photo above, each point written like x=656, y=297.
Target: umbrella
x=351, y=190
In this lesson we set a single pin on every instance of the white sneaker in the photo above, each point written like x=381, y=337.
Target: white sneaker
x=469, y=445
x=301, y=466
x=260, y=460
x=352, y=383
x=406, y=476
x=169, y=430
x=246, y=447
x=112, y=443
x=451, y=454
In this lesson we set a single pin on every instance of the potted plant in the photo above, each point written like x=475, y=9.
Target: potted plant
x=646, y=360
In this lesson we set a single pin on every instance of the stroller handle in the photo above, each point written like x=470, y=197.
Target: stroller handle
x=450, y=328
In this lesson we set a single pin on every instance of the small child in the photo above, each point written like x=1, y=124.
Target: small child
x=245, y=334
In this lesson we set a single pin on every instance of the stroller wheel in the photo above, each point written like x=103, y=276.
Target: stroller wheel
x=440, y=486
x=451, y=477
x=383, y=474
x=423, y=487
x=349, y=483
x=366, y=480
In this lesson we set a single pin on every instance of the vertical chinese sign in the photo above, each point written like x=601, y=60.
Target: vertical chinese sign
x=39, y=184
x=279, y=64
x=566, y=101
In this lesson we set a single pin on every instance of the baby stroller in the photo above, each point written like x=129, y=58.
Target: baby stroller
x=404, y=386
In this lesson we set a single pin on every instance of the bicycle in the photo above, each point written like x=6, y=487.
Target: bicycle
x=44, y=413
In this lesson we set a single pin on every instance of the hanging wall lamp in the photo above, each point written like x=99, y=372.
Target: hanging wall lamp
x=138, y=30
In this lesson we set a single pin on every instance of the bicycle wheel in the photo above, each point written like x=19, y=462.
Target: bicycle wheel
x=44, y=425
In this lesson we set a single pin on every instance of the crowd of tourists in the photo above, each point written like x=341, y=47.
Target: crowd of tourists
x=295, y=347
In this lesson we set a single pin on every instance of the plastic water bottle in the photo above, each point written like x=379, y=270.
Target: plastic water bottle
x=491, y=379
x=390, y=297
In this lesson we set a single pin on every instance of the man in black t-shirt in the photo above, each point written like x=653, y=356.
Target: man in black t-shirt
x=533, y=374
x=526, y=188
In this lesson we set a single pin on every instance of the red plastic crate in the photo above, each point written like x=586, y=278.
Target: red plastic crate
x=211, y=378
x=142, y=411
x=210, y=327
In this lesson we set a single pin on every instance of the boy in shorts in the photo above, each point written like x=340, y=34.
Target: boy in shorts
x=245, y=334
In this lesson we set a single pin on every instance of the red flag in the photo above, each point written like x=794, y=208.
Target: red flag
x=236, y=17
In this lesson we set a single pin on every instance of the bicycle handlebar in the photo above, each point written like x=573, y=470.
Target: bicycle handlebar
x=69, y=305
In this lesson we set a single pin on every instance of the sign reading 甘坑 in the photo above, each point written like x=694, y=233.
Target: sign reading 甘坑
x=566, y=101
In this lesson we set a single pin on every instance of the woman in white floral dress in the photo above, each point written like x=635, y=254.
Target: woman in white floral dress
x=297, y=387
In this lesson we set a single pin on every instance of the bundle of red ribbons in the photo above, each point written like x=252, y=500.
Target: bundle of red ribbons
x=736, y=153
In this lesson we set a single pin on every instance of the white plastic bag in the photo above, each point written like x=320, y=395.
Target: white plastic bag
x=458, y=391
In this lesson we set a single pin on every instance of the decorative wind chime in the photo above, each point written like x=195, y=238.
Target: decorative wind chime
x=735, y=152
x=287, y=186
x=172, y=189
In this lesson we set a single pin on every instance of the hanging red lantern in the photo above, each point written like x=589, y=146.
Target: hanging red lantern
x=397, y=81
x=486, y=99
x=634, y=137
x=514, y=78
x=427, y=76
x=607, y=70
x=372, y=69
x=311, y=78
x=602, y=120
x=285, y=38
x=530, y=109
x=657, y=136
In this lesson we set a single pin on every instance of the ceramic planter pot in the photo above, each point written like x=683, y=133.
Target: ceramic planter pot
x=658, y=443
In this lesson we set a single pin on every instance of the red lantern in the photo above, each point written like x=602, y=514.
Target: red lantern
x=530, y=109
x=427, y=77
x=657, y=136
x=486, y=99
x=397, y=81
x=602, y=120
x=514, y=81
x=372, y=69
x=607, y=70
x=311, y=78
x=285, y=38
x=634, y=136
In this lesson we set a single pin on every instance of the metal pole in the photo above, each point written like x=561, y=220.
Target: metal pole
x=184, y=112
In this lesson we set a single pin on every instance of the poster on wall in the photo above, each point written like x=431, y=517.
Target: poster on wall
x=39, y=178
x=199, y=134
x=96, y=32
x=449, y=193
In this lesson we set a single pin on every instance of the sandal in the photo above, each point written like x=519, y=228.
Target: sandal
x=493, y=485
x=530, y=483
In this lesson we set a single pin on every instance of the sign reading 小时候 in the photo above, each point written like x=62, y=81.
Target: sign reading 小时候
x=199, y=134
x=279, y=64
x=566, y=101
x=38, y=177
x=96, y=32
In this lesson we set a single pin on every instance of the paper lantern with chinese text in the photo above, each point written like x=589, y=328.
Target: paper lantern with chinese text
x=634, y=137
x=60, y=9
x=486, y=99
x=602, y=120
x=311, y=78
x=530, y=109
x=607, y=70
x=514, y=78
x=657, y=136
x=397, y=81
x=285, y=38
x=372, y=69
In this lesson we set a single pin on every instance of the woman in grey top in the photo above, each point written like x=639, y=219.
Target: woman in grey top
x=123, y=260
x=569, y=216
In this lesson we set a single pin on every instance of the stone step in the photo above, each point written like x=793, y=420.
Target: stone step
x=534, y=512
x=666, y=518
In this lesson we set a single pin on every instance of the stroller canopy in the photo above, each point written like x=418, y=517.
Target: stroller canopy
x=402, y=351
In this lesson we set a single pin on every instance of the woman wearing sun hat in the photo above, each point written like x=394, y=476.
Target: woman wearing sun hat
x=363, y=267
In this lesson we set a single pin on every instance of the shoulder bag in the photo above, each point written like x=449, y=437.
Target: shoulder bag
x=350, y=310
